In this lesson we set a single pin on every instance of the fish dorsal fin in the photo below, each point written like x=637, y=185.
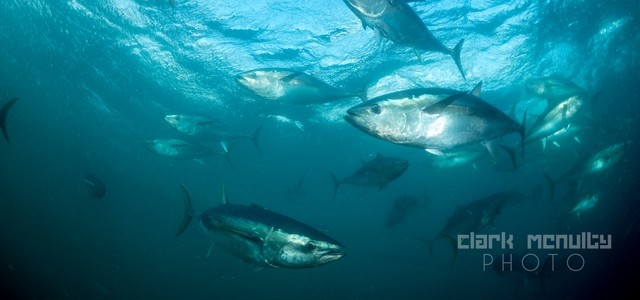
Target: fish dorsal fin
x=225, y=199
x=477, y=89
x=439, y=106
x=290, y=76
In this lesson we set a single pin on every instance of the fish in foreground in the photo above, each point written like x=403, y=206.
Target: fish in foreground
x=4, y=111
x=180, y=149
x=398, y=22
x=433, y=119
x=290, y=86
x=262, y=237
x=379, y=171
x=94, y=185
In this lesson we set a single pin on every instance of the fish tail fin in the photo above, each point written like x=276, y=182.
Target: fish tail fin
x=552, y=186
x=455, y=53
x=454, y=246
x=429, y=245
x=336, y=184
x=523, y=132
x=188, y=211
x=3, y=118
x=255, y=137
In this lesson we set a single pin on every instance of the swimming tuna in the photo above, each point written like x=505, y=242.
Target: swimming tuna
x=207, y=130
x=558, y=116
x=379, y=171
x=553, y=88
x=402, y=207
x=180, y=149
x=262, y=237
x=474, y=217
x=94, y=185
x=597, y=162
x=398, y=22
x=433, y=119
x=290, y=86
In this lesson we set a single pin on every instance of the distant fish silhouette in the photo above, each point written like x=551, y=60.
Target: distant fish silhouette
x=3, y=118
x=94, y=185
x=378, y=171
x=402, y=207
x=297, y=190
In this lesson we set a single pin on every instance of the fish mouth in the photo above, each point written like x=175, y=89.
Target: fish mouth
x=353, y=117
x=240, y=79
x=332, y=256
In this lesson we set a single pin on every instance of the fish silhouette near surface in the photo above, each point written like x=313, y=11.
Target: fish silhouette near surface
x=398, y=22
x=290, y=86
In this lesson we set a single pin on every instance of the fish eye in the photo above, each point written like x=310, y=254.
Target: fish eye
x=376, y=109
x=310, y=246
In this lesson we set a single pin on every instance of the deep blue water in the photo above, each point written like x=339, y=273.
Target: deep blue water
x=94, y=79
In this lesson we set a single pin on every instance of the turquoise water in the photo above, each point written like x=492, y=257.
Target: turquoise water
x=94, y=80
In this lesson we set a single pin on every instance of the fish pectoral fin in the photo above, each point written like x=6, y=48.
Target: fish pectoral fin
x=418, y=55
x=439, y=106
x=246, y=235
x=378, y=36
x=490, y=148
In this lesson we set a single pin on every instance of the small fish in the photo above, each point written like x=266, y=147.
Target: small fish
x=557, y=117
x=290, y=86
x=589, y=165
x=474, y=216
x=94, y=185
x=553, y=88
x=586, y=203
x=180, y=149
x=297, y=190
x=379, y=171
x=209, y=130
x=402, y=207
